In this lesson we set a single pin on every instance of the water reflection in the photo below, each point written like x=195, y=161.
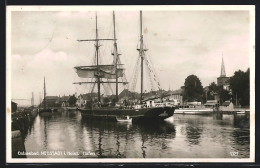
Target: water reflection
x=241, y=134
x=241, y=120
x=217, y=116
x=193, y=134
x=45, y=120
x=181, y=136
x=125, y=135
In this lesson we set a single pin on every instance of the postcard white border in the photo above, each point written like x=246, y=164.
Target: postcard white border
x=250, y=8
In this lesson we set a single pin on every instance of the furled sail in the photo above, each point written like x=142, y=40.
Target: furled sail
x=105, y=71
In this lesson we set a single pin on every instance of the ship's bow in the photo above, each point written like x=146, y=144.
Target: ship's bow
x=156, y=114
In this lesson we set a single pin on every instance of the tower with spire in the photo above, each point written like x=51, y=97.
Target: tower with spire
x=223, y=72
x=222, y=80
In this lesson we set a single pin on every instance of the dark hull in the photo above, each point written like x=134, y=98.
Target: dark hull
x=144, y=114
x=44, y=112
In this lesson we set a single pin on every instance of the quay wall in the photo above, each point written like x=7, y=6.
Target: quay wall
x=21, y=123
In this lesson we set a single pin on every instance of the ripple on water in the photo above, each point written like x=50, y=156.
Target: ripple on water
x=181, y=136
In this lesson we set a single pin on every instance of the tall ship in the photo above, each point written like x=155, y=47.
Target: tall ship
x=101, y=74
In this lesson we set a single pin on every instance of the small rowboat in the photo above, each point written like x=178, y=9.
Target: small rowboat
x=124, y=119
x=241, y=112
x=71, y=108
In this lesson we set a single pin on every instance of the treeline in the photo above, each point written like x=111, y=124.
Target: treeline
x=240, y=85
x=238, y=91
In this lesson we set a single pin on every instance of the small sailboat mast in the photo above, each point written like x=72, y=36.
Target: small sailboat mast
x=44, y=94
x=45, y=110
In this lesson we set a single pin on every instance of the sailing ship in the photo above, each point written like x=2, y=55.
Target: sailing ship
x=44, y=111
x=104, y=73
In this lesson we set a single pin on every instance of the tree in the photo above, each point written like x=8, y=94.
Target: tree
x=239, y=83
x=213, y=88
x=224, y=95
x=72, y=100
x=193, y=90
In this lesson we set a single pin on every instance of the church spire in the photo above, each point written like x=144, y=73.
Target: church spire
x=223, y=72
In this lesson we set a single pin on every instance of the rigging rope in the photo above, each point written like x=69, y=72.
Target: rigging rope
x=106, y=86
x=153, y=72
x=149, y=73
x=134, y=75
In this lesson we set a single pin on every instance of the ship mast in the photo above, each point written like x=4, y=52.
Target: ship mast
x=141, y=54
x=116, y=55
x=141, y=62
x=44, y=94
x=98, y=74
x=98, y=68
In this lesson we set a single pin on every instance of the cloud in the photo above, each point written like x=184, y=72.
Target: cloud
x=28, y=72
x=180, y=43
x=47, y=58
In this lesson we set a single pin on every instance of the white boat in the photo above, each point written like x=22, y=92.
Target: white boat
x=125, y=119
x=193, y=110
x=241, y=112
x=71, y=108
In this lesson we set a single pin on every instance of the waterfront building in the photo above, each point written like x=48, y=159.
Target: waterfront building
x=195, y=103
x=64, y=101
x=176, y=96
x=51, y=101
x=227, y=106
x=82, y=99
x=212, y=104
x=126, y=94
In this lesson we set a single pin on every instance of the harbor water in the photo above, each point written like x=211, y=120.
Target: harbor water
x=67, y=135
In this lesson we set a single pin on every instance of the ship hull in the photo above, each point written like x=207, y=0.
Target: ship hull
x=143, y=114
x=45, y=112
x=194, y=111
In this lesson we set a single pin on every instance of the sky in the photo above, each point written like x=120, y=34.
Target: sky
x=180, y=43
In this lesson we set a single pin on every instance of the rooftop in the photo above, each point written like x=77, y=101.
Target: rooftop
x=226, y=103
x=51, y=97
